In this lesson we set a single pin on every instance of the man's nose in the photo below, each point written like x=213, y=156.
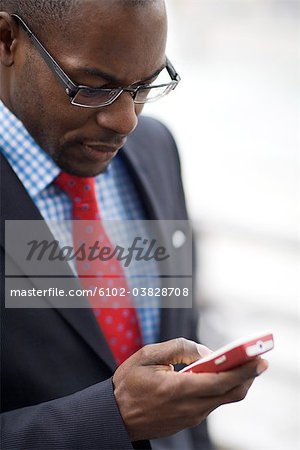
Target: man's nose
x=120, y=117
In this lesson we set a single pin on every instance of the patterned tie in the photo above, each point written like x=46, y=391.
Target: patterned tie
x=115, y=314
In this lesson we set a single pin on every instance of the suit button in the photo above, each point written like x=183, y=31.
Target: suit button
x=178, y=239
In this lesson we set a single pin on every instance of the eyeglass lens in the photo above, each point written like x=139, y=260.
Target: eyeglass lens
x=98, y=98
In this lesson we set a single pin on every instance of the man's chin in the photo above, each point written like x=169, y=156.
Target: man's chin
x=85, y=170
x=84, y=165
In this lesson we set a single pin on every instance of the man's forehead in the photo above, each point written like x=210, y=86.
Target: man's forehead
x=116, y=46
x=112, y=78
x=97, y=18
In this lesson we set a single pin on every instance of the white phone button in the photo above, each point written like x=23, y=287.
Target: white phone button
x=220, y=360
x=259, y=347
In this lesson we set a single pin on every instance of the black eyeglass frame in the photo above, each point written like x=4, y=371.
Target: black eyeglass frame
x=72, y=89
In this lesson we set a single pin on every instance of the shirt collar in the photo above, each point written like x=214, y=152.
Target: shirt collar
x=34, y=167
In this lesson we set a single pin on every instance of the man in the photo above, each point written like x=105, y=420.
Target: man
x=74, y=77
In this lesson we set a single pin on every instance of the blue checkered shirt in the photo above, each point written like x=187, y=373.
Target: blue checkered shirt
x=116, y=194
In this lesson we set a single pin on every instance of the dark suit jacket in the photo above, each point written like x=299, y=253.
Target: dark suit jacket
x=56, y=383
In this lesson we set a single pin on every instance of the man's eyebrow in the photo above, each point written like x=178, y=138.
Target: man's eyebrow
x=112, y=78
x=154, y=75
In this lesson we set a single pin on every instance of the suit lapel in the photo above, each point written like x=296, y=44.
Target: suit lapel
x=143, y=178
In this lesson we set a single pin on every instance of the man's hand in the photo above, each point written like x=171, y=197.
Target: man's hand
x=155, y=401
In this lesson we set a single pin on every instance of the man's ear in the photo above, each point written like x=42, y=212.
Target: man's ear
x=9, y=32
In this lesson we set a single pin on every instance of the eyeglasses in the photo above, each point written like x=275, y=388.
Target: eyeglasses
x=89, y=97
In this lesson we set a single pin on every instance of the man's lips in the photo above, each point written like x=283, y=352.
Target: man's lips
x=100, y=151
x=111, y=146
x=101, y=147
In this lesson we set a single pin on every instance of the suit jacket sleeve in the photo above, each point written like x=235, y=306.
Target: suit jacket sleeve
x=88, y=419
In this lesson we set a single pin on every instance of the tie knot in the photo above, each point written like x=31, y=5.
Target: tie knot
x=79, y=189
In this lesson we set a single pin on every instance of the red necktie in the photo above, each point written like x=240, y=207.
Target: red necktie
x=115, y=314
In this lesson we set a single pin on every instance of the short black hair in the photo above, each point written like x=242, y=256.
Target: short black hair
x=39, y=13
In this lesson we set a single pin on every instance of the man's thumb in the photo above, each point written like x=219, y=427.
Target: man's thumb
x=176, y=351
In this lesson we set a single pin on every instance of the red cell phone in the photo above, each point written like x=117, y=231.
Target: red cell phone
x=233, y=355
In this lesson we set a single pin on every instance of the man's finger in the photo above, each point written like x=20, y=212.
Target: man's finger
x=219, y=384
x=176, y=351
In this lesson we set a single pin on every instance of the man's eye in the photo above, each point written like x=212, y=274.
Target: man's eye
x=88, y=92
x=145, y=85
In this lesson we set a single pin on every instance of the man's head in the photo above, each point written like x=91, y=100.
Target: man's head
x=98, y=43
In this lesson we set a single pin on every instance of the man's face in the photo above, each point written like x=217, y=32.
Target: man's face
x=126, y=43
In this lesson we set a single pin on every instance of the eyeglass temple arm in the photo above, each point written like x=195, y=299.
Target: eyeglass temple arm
x=172, y=72
x=68, y=84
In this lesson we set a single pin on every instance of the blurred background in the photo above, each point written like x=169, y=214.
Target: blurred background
x=236, y=120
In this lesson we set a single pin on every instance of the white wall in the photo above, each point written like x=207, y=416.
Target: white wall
x=236, y=119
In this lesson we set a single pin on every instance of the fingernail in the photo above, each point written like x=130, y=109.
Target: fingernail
x=203, y=350
x=261, y=368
